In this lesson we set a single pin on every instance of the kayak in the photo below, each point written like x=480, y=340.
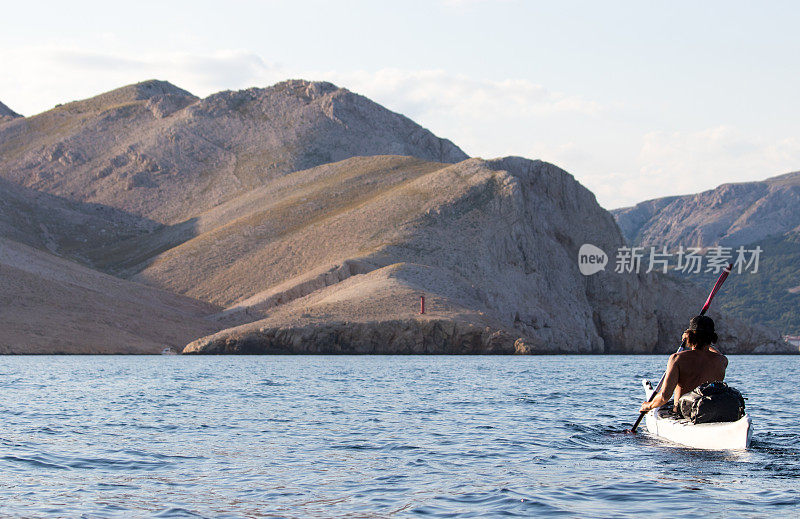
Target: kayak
x=717, y=435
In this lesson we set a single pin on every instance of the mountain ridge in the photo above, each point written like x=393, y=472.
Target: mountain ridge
x=156, y=151
x=349, y=280
x=762, y=215
x=731, y=214
x=304, y=214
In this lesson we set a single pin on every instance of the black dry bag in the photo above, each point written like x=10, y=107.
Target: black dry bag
x=712, y=402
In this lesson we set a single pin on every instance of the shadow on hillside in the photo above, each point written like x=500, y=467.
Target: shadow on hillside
x=93, y=234
x=128, y=257
x=63, y=226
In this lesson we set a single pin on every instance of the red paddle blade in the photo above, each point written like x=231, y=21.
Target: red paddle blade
x=725, y=272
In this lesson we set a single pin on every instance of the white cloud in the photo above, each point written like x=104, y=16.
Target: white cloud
x=421, y=92
x=221, y=69
x=487, y=118
x=44, y=76
x=53, y=75
x=690, y=161
x=659, y=163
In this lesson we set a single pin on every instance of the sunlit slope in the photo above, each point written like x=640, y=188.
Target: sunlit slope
x=51, y=305
x=155, y=151
x=491, y=244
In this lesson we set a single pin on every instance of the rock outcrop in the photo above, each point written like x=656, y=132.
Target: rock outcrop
x=7, y=114
x=411, y=336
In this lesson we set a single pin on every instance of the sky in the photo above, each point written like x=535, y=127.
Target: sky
x=636, y=99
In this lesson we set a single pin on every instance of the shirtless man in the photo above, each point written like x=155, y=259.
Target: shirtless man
x=688, y=369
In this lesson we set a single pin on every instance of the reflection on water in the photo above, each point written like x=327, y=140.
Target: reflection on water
x=375, y=437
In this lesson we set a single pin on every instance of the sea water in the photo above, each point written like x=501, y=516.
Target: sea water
x=377, y=436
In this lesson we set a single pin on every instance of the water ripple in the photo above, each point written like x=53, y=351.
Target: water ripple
x=324, y=437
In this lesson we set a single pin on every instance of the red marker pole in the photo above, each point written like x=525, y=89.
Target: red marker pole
x=421, y=304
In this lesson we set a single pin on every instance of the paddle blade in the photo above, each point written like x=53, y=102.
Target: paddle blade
x=717, y=285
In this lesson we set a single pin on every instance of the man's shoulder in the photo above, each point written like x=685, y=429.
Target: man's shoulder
x=707, y=355
x=681, y=357
x=687, y=355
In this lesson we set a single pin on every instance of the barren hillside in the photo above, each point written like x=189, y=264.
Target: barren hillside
x=307, y=218
x=157, y=152
x=491, y=244
x=61, y=226
x=50, y=305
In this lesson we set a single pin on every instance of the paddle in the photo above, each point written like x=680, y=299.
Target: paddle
x=725, y=272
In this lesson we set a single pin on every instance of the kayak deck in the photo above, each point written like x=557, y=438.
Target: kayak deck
x=714, y=436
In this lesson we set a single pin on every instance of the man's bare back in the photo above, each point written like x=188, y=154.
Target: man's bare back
x=689, y=369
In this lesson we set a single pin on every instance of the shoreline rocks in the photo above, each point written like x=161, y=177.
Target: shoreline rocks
x=413, y=336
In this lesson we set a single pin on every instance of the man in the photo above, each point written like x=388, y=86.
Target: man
x=688, y=369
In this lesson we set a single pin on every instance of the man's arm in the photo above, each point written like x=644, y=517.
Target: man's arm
x=667, y=388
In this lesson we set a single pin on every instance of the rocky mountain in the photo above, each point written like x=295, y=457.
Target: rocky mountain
x=51, y=305
x=492, y=245
x=730, y=215
x=7, y=114
x=762, y=214
x=157, y=152
x=304, y=218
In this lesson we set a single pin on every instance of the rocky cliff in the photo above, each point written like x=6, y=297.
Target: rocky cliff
x=492, y=245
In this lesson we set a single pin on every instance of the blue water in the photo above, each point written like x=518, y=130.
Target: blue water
x=376, y=437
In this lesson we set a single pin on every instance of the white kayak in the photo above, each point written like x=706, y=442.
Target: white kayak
x=717, y=435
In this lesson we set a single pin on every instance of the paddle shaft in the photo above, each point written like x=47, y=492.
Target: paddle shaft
x=725, y=272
